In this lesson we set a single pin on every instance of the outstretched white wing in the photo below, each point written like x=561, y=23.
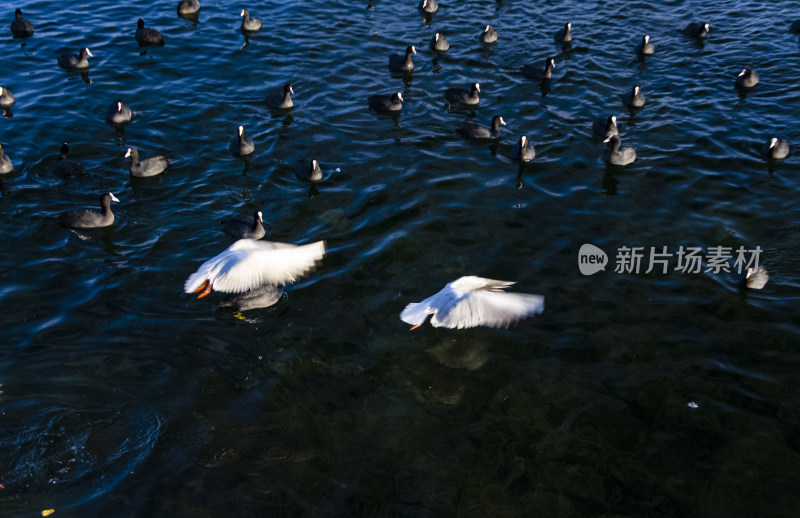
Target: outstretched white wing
x=249, y=264
x=474, y=301
x=488, y=308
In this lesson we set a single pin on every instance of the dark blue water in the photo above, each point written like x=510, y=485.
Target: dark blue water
x=122, y=396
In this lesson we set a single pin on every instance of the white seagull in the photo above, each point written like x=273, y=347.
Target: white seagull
x=473, y=301
x=247, y=265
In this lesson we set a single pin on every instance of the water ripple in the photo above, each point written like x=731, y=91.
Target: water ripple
x=120, y=390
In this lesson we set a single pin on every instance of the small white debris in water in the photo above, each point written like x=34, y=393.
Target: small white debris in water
x=338, y=169
x=692, y=404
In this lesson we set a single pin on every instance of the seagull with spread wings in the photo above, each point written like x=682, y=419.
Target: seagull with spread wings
x=473, y=301
x=248, y=264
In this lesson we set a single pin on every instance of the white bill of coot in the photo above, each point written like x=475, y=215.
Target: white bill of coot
x=478, y=132
x=148, y=167
x=646, y=48
x=440, y=43
x=284, y=101
x=402, y=62
x=308, y=170
x=462, y=96
x=564, y=35
x=747, y=78
x=241, y=229
x=754, y=278
x=540, y=72
x=386, y=102
x=605, y=127
x=697, y=29
x=429, y=6
x=775, y=148
x=523, y=150
x=635, y=98
x=90, y=218
x=73, y=62
x=240, y=144
x=118, y=113
x=7, y=98
x=489, y=35
x=249, y=24
x=616, y=155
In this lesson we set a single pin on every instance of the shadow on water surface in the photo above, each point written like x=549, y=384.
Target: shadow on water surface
x=123, y=396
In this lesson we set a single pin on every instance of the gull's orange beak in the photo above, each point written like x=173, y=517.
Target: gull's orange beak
x=414, y=327
x=206, y=289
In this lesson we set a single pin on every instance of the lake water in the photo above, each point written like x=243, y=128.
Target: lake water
x=633, y=394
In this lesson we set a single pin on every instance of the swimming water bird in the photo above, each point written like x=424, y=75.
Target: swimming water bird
x=489, y=35
x=90, y=218
x=386, y=103
x=617, y=156
x=118, y=113
x=152, y=166
x=697, y=30
x=250, y=24
x=188, y=7
x=66, y=167
x=73, y=62
x=605, y=127
x=523, y=150
x=429, y=6
x=148, y=36
x=564, y=35
x=6, y=98
x=462, y=96
x=775, y=148
x=5, y=163
x=249, y=264
x=241, y=144
x=795, y=27
x=646, y=48
x=308, y=170
x=402, y=62
x=257, y=298
x=747, y=78
x=240, y=229
x=754, y=278
x=282, y=102
x=439, y=42
x=20, y=27
x=540, y=72
x=473, y=301
x=477, y=132
x=634, y=99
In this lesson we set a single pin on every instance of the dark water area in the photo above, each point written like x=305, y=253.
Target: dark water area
x=633, y=394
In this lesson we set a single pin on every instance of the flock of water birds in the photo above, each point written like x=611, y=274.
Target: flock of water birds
x=255, y=271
